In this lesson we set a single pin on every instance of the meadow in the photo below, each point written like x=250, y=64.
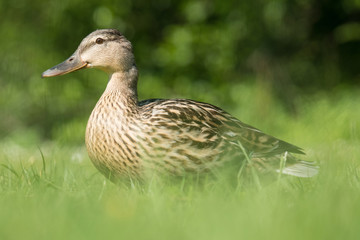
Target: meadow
x=289, y=68
x=50, y=190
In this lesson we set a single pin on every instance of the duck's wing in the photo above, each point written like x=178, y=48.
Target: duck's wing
x=208, y=126
x=195, y=135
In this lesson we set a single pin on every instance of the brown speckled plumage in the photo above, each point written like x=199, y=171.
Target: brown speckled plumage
x=126, y=137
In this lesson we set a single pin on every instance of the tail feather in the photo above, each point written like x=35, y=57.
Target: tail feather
x=301, y=169
x=293, y=166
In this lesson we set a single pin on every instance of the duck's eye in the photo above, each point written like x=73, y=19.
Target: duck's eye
x=99, y=40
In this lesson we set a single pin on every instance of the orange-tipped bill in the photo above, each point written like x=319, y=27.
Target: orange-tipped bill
x=71, y=64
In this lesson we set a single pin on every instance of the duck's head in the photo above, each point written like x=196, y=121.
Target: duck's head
x=106, y=49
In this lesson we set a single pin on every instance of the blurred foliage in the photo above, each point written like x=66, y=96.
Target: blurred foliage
x=191, y=49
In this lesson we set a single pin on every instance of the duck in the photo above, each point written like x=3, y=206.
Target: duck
x=126, y=137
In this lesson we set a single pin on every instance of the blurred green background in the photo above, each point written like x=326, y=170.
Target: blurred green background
x=284, y=50
x=288, y=67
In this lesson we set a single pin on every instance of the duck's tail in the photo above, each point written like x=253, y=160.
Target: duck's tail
x=300, y=169
x=288, y=165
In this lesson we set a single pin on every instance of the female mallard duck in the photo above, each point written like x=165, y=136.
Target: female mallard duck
x=127, y=137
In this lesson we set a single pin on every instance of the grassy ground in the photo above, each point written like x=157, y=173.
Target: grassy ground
x=51, y=191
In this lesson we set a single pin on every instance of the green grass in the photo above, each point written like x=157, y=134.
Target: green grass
x=52, y=191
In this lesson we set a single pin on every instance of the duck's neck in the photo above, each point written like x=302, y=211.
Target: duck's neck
x=124, y=83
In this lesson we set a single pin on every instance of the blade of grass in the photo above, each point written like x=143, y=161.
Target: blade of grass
x=282, y=165
x=10, y=169
x=253, y=171
x=43, y=162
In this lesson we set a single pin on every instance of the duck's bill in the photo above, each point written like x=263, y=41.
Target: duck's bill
x=71, y=64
